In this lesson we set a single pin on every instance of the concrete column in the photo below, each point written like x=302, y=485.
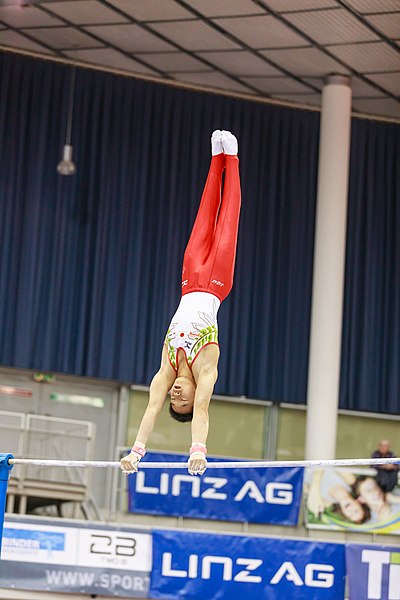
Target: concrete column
x=329, y=263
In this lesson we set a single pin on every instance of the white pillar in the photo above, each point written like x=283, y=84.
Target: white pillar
x=329, y=264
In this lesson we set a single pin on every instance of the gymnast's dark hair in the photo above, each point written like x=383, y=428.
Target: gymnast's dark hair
x=181, y=417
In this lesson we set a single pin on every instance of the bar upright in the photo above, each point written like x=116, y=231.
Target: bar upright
x=5, y=469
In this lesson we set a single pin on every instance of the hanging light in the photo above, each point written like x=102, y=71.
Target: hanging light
x=66, y=166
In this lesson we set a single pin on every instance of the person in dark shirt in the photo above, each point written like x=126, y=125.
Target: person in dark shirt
x=387, y=476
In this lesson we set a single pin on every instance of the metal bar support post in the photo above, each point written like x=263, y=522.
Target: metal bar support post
x=5, y=469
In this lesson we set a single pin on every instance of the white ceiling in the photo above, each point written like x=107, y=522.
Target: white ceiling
x=280, y=49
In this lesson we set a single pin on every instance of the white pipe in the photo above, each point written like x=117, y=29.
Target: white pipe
x=328, y=274
x=348, y=462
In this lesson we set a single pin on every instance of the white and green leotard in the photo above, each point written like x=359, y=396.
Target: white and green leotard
x=193, y=326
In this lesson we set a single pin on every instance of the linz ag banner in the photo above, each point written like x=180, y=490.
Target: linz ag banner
x=38, y=555
x=204, y=565
x=373, y=572
x=270, y=496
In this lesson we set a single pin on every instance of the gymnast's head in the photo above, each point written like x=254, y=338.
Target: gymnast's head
x=182, y=399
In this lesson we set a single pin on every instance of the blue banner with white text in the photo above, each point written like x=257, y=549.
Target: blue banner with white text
x=373, y=572
x=270, y=495
x=205, y=565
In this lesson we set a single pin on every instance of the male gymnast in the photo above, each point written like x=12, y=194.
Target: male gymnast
x=189, y=362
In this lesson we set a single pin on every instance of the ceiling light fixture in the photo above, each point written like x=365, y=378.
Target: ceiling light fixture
x=66, y=166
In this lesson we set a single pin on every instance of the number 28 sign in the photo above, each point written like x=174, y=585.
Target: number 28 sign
x=114, y=549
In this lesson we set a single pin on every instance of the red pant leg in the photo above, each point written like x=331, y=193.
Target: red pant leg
x=217, y=273
x=203, y=231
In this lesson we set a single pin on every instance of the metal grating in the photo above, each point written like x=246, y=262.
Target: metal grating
x=212, y=79
x=174, y=62
x=151, y=10
x=275, y=85
x=12, y=426
x=109, y=57
x=63, y=38
x=30, y=17
x=332, y=27
x=241, y=63
x=194, y=35
x=130, y=38
x=368, y=58
x=87, y=12
x=271, y=48
x=387, y=24
x=14, y=39
x=298, y=5
x=305, y=61
x=361, y=89
x=389, y=81
x=51, y=437
x=374, y=6
x=33, y=436
x=226, y=8
x=263, y=31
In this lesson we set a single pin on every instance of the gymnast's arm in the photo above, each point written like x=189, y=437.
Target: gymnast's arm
x=205, y=387
x=206, y=378
x=159, y=387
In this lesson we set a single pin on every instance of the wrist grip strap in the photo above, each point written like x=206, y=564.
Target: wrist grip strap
x=198, y=448
x=138, y=450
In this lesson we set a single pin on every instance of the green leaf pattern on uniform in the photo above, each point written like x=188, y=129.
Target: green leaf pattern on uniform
x=170, y=348
x=207, y=335
x=206, y=332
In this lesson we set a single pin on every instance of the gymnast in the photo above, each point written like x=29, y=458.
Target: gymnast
x=189, y=362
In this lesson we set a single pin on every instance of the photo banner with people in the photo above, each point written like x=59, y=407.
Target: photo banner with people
x=270, y=496
x=350, y=500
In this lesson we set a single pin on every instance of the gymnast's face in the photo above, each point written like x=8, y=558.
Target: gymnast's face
x=182, y=395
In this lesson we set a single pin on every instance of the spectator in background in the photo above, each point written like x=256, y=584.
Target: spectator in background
x=387, y=474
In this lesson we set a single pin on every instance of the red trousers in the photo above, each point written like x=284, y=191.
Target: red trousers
x=209, y=260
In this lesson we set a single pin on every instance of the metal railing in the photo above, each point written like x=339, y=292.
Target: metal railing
x=43, y=437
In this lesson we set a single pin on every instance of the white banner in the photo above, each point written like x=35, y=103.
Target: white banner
x=88, y=558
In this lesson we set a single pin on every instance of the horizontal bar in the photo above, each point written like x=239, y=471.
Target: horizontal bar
x=349, y=462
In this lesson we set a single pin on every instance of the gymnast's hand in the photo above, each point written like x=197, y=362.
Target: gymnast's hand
x=130, y=463
x=197, y=459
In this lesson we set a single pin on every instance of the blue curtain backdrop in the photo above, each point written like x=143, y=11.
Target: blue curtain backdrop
x=371, y=326
x=90, y=265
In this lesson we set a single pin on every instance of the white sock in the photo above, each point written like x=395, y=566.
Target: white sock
x=216, y=145
x=229, y=143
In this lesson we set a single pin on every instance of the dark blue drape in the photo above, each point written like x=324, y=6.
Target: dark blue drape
x=371, y=326
x=90, y=265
